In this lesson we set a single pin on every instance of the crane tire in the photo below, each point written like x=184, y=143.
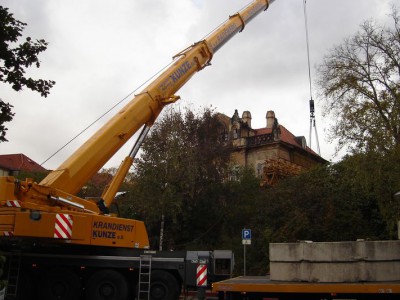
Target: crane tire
x=59, y=284
x=107, y=284
x=164, y=286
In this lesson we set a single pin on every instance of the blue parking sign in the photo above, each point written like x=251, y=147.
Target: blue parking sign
x=246, y=234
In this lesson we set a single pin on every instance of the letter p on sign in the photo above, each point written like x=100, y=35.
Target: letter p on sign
x=246, y=234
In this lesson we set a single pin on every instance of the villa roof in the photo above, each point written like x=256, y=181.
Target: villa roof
x=19, y=162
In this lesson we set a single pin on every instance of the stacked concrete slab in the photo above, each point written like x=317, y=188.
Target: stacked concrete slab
x=335, y=261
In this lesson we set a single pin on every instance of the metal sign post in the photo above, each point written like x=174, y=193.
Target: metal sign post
x=246, y=240
x=244, y=259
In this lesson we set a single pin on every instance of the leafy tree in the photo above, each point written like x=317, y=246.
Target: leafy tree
x=360, y=82
x=354, y=198
x=357, y=197
x=244, y=208
x=178, y=179
x=95, y=187
x=377, y=175
x=14, y=60
x=36, y=176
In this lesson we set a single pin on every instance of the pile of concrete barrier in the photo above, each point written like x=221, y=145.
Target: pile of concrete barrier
x=359, y=261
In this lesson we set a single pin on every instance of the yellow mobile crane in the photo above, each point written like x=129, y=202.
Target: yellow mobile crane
x=29, y=209
x=47, y=225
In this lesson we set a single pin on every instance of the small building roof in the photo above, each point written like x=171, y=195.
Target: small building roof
x=19, y=162
x=286, y=137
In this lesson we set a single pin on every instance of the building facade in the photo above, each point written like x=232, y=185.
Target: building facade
x=273, y=152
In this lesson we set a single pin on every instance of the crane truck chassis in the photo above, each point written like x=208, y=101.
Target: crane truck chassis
x=70, y=272
x=61, y=246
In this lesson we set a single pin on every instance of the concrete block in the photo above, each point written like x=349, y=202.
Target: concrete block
x=336, y=261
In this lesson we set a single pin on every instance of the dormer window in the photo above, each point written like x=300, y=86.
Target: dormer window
x=301, y=140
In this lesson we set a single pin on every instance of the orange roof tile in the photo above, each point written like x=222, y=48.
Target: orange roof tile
x=286, y=137
x=19, y=162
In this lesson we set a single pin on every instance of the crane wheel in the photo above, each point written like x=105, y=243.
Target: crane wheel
x=107, y=284
x=164, y=286
x=59, y=284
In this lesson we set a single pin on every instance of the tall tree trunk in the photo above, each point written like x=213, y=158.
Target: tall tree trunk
x=161, y=231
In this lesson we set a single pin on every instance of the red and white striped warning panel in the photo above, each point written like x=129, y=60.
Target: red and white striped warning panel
x=201, y=277
x=13, y=203
x=8, y=233
x=63, y=226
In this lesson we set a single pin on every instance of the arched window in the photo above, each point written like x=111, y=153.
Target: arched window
x=235, y=133
x=260, y=170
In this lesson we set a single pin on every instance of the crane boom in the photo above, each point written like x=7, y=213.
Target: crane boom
x=146, y=106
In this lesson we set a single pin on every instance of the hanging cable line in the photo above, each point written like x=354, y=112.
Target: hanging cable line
x=312, y=107
x=104, y=114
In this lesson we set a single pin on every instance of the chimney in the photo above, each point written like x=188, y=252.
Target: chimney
x=246, y=118
x=270, y=118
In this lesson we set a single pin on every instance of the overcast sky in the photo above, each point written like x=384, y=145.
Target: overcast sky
x=101, y=50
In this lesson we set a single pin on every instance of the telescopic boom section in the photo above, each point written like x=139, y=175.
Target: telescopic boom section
x=146, y=106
